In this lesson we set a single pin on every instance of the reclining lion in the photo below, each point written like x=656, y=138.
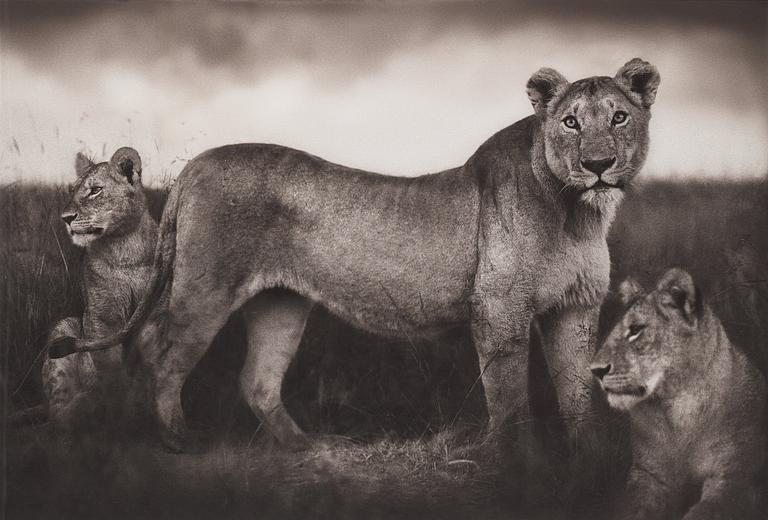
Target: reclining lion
x=696, y=405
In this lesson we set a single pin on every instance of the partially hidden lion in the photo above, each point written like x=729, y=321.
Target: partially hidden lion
x=107, y=215
x=696, y=405
x=516, y=233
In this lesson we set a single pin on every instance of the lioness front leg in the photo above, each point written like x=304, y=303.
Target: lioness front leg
x=646, y=497
x=568, y=340
x=723, y=499
x=501, y=331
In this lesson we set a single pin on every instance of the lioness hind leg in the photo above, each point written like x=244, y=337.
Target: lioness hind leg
x=191, y=330
x=275, y=321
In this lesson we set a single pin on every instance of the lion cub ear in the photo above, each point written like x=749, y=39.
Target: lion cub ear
x=128, y=163
x=543, y=86
x=640, y=79
x=82, y=164
x=678, y=291
x=629, y=290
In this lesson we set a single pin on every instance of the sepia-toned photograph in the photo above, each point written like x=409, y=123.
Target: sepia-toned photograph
x=436, y=259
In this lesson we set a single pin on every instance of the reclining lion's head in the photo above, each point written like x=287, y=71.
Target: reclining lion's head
x=107, y=198
x=595, y=129
x=659, y=341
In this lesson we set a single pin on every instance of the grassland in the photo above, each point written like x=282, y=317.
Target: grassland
x=395, y=403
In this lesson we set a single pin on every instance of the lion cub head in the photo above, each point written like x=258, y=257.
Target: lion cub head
x=107, y=198
x=660, y=338
x=595, y=129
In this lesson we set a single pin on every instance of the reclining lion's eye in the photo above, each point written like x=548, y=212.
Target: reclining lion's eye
x=620, y=118
x=634, y=332
x=571, y=122
x=94, y=191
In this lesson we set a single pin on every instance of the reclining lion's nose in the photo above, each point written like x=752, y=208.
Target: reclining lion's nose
x=599, y=370
x=68, y=217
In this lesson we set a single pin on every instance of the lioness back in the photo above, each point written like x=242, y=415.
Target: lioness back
x=407, y=243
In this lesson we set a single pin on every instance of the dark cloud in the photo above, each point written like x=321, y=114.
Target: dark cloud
x=248, y=39
x=194, y=75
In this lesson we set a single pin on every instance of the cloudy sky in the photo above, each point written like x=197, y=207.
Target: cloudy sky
x=398, y=88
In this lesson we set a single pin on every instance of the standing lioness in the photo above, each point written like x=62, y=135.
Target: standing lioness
x=517, y=232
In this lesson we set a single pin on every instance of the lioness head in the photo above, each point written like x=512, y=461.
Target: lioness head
x=107, y=198
x=595, y=129
x=647, y=352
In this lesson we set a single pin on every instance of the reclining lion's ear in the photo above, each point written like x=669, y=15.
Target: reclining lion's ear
x=128, y=163
x=629, y=290
x=542, y=87
x=82, y=164
x=640, y=80
x=678, y=291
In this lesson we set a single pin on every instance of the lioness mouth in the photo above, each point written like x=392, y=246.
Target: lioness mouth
x=89, y=231
x=636, y=391
x=601, y=185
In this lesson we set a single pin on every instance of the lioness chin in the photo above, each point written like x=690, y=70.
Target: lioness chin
x=515, y=234
x=696, y=405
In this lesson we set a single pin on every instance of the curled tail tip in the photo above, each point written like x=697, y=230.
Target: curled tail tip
x=61, y=347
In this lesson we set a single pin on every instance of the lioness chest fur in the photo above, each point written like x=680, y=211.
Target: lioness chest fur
x=696, y=405
x=515, y=234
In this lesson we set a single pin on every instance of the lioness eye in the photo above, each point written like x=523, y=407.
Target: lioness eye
x=571, y=122
x=619, y=118
x=634, y=332
x=95, y=191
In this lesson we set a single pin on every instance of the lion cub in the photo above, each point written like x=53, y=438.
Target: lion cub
x=108, y=216
x=695, y=405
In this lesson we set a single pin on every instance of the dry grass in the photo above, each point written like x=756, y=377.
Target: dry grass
x=388, y=478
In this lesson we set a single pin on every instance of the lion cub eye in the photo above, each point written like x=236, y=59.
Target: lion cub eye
x=94, y=192
x=620, y=118
x=634, y=332
x=571, y=122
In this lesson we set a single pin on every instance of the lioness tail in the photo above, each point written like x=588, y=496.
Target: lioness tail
x=163, y=264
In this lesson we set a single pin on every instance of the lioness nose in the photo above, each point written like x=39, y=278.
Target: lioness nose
x=600, y=370
x=598, y=166
x=68, y=217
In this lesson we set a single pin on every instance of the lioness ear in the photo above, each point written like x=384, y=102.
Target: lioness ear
x=542, y=86
x=82, y=164
x=679, y=291
x=629, y=290
x=640, y=79
x=128, y=163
